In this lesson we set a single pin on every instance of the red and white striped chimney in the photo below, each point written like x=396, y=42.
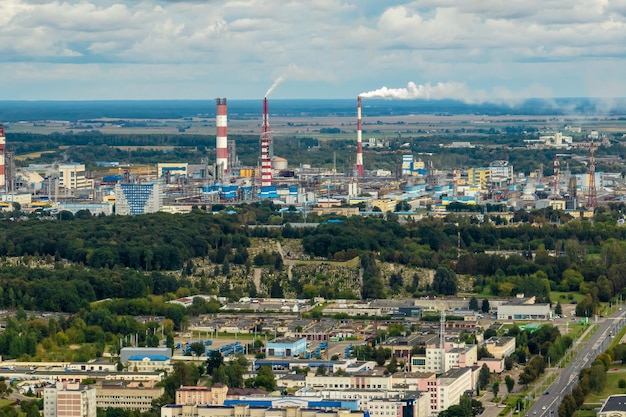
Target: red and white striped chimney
x=359, y=144
x=266, y=161
x=3, y=142
x=221, y=138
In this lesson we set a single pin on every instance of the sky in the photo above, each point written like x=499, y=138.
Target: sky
x=471, y=50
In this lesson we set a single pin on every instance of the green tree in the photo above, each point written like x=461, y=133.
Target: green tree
x=214, y=361
x=558, y=310
x=484, y=375
x=485, y=306
x=445, y=281
x=510, y=383
x=495, y=388
x=265, y=379
x=473, y=304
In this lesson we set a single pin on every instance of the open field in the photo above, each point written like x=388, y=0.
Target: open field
x=309, y=126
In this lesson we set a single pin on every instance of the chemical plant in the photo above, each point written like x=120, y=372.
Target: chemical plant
x=177, y=187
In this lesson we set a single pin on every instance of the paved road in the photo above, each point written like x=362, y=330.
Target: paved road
x=547, y=404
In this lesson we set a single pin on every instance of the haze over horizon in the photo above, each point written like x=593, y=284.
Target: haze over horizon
x=244, y=49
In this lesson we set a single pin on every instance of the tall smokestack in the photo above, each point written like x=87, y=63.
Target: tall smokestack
x=266, y=162
x=221, y=138
x=3, y=142
x=359, y=144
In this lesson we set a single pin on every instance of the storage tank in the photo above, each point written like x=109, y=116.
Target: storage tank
x=279, y=163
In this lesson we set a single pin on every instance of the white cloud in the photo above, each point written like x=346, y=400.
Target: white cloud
x=336, y=47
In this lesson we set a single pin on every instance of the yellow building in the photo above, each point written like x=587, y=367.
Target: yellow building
x=386, y=205
x=479, y=176
x=214, y=395
x=131, y=396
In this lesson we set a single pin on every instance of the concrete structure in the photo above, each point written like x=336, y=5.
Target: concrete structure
x=221, y=137
x=173, y=410
x=3, y=143
x=614, y=406
x=214, y=395
x=134, y=199
x=95, y=209
x=169, y=171
x=500, y=347
x=127, y=396
x=447, y=389
x=72, y=176
x=68, y=399
x=286, y=347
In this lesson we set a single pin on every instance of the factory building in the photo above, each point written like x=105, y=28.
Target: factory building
x=72, y=176
x=524, y=309
x=286, y=347
x=133, y=199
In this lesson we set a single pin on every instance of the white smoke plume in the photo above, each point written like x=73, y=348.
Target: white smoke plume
x=278, y=80
x=452, y=90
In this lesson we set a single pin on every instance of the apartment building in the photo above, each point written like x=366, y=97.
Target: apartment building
x=69, y=399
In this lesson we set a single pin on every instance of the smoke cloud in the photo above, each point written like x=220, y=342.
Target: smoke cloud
x=278, y=80
x=452, y=90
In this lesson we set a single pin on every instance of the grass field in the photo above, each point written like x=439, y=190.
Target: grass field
x=563, y=296
x=4, y=402
x=31, y=155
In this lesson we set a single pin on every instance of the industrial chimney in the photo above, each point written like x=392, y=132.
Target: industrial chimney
x=359, y=144
x=3, y=142
x=221, y=138
x=266, y=161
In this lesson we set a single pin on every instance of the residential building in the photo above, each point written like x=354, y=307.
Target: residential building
x=500, y=347
x=447, y=389
x=438, y=360
x=213, y=395
x=69, y=399
x=134, y=396
x=134, y=198
x=173, y=410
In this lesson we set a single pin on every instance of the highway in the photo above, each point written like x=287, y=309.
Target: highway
x=547, y=403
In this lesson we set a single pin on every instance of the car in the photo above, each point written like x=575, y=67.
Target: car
x=543, y=408
x=534, y=413
x=546, y=393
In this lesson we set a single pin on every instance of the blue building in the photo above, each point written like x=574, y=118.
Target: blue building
x=286, y=347
x=133, y=199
